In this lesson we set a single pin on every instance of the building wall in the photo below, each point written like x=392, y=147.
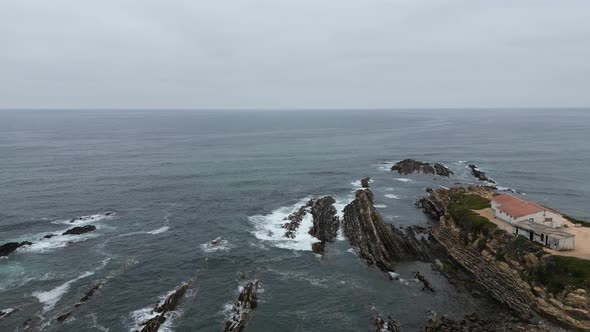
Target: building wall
x=549, y=241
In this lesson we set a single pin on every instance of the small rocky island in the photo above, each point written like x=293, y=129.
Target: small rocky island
x=409, y=166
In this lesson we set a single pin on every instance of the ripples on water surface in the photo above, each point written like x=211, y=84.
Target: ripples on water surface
x=177, y=180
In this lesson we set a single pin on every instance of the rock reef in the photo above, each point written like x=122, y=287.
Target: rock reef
x=80, y=230
x=247, y=301
x=85, y=298
x=480, y=175
x=409, y=166
x=295, y=219
x=10, y=247
x=325, y=222
x=169, y=304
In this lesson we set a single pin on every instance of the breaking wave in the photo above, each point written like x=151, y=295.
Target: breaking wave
x=50, y=298
x=392, y=196
x=403, y=179
x=82, y=220
x=219, y=244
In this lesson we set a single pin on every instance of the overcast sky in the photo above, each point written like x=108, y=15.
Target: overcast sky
x=294, y=54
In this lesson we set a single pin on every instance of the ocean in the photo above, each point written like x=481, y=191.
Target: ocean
x=159, y=185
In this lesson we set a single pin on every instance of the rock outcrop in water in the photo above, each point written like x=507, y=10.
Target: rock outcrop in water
x=385, y=324
x=325, y=222
x=247, y=301
x=10, y=247
x=365, y=182
x=169, y=304
x=295, y=218
x=80, y=230
x=409, y=166
x=85, y=298
x=477, y=173
x=376, y=241
x=425, y=283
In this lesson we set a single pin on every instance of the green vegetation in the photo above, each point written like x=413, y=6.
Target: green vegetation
x=577, y=221
x=557, y=272
x=461, y=210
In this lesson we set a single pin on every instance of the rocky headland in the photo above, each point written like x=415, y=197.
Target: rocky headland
x=513, y=270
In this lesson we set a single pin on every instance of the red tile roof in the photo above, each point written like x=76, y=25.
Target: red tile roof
x=517, y=207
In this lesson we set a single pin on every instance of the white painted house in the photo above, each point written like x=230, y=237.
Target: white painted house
x=533, y=221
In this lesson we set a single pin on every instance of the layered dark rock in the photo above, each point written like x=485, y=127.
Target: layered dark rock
x=472, y=323
x=325, y=222
x=385, y=324
x=480, y=175
x=169, y=304
x=425, y=283
x=247, y=301
x=376, y=241
x=8, y=248
x=80, y=230
x=85, y=298
x=409, y=166
x=294, y=220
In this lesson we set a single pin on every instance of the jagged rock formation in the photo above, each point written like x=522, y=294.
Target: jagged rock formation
x=169, y=304
x=477, y=173
x=472, y=323
x=365, y=182
x=6, y=312
x=247, y=301
x=80, y=230
x=325, y=222
x=385, y=325
x=376, y=241
x=425, y=283
x=502, y=264
x=408, y=166
x=294, y=220
x=10, y=247
x=85, y=298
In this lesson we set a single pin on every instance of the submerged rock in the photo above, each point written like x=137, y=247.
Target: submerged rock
x=425, y=283
x=409, y=166
x=10, y=247
x=477, y=173
x=85, y=298
x=49, y=236
x=169, y=304
x=247, y=301
x=80, y=230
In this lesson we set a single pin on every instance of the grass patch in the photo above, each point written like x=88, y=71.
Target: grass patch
x=461, y=210
x=560, y=271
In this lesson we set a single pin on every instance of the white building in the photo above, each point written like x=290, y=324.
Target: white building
x=533, y=221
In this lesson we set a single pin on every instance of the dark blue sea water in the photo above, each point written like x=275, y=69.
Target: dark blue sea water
x=179, y=179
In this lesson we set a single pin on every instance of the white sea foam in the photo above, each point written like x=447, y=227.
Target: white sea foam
x=51, y=297
x=380, y=206
x=269, y=228
x=82, y=220
x=403, y=180
x=58, y=241
x=140, y=316
x=159, y=230
x=219, y=244
x=392, y=196
x=386, y=166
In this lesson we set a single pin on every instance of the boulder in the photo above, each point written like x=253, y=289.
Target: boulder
x=10, y=247
x=365, y=182
x=409, y=166
x=80, y=230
